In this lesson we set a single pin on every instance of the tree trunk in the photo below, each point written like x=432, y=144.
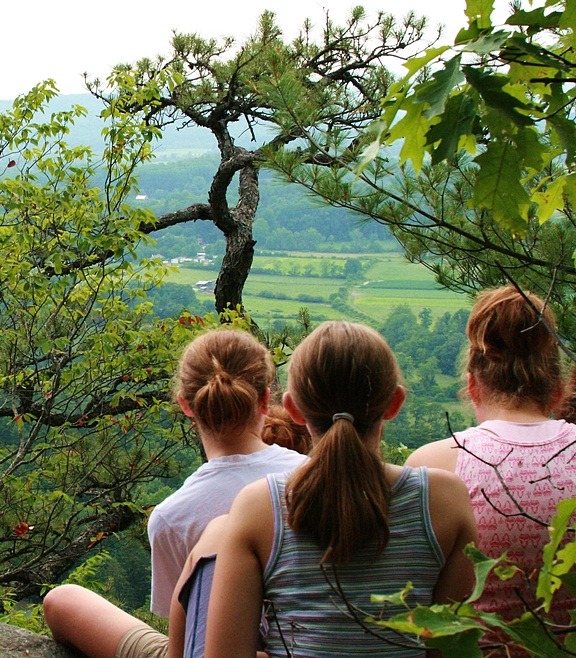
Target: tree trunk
x=236, y=225
x=235, y=268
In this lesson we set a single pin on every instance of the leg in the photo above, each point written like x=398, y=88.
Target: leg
x=86, y=621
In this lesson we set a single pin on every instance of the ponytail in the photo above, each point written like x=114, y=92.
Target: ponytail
x=342, y=378
x=512, y=353
x=341, y=496
x=222, y=375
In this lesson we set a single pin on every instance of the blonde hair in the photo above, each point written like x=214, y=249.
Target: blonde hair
x=223, y=374
x=512, y=354
x=341, y=495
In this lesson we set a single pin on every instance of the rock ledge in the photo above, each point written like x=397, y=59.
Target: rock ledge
x=15, y=641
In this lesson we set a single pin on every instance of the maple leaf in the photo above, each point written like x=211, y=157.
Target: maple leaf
x=498, y=188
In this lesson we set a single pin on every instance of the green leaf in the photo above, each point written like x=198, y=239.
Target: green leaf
x=550, y=199
x=395, y=100
x=432, y=622
x=528, y=632
x=398, y=598
x=416, y=64
x=568, y=18
x=518, y=48
x=435, y=92
x=497, y=187
x=369, y=154
x=565, y=132
x=457, y=120
x=479, y=12
x=484, y=44
x=412, y=128
x=535, y=18
x=483, y=565
x=506, y=571
x=533, y=152
x=569, y=581
x=553, y=564
x=466, y=35
x=456, y=646
x=490, y=86
x=570, y=189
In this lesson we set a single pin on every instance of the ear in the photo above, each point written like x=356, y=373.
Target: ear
x=292, y=409
x=183, y=402
x=264, y=402
x=472, y=387
x=393, y=409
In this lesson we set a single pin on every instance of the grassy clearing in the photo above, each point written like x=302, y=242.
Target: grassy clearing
x=282, y=284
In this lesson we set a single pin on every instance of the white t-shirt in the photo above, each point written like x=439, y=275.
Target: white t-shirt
x=176, y=524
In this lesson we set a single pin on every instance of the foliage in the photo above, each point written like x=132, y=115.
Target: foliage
x=85, y=364
x=506, y=95
x=470, y=162
x=171, y=300
x=286, y=218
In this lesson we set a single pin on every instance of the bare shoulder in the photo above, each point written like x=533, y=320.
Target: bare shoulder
x=450, y=508
x=252, y=493
x=250, y=506
x=448, y=495
x=442, y=480
x=438, y=454
x=251, y=521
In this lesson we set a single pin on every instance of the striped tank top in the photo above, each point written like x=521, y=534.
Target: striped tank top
x=306, y=614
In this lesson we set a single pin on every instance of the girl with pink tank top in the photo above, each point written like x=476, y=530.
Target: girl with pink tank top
x=517, y=462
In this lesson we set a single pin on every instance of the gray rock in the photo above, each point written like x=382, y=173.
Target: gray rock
x=17, y=642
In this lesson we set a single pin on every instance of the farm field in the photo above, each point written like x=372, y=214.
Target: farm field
x=282, y=284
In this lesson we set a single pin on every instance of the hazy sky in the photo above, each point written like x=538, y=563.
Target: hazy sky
x=63, y=38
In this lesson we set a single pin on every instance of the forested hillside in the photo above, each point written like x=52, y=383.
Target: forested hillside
x=287, y=217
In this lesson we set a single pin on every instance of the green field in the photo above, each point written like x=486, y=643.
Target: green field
x=282, y=284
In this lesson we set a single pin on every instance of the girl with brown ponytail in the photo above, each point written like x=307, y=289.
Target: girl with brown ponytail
x=343, y=517
x=518, y=462
x=222, y=382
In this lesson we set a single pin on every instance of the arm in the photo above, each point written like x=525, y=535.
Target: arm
x=455, y=527
x=208, y=544
x=235, y=607
x=177, y=632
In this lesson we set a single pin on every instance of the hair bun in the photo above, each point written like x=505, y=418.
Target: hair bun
x=223, y=377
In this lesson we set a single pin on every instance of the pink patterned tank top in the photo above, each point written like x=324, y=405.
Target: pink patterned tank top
x=516, y=474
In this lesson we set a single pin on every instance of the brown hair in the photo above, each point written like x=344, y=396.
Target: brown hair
x=513, y=355
x=222, y=375
x=341, y=495
x=279, y=428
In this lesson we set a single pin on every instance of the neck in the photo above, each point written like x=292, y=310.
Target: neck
x=528, y=413
x=223, y=445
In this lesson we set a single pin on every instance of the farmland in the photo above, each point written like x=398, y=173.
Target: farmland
x=282, y=283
